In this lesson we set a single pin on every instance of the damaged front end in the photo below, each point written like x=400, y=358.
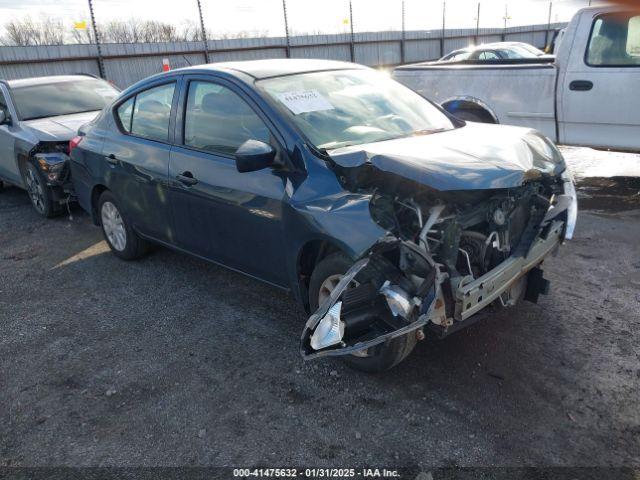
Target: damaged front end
x=446, y=257
x=52, y=159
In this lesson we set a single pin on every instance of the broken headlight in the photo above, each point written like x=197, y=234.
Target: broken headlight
x=52, y=165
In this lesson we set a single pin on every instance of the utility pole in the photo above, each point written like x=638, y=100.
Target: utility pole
x=546, y=34
x=286, y=27
x=444, y=15
x=402, y=41
x=477, y=23
x=204, y=33
x=506, y=16
x=97, y=37
x=352, y=45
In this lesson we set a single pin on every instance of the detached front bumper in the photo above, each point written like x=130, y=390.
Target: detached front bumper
x=572, y=209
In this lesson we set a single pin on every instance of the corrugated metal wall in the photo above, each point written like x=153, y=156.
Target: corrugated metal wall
x=127, y=63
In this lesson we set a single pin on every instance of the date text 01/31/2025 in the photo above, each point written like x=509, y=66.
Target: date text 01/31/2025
x=315, y=473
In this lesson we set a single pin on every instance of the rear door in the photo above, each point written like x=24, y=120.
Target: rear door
x=136, y=152
x=599, y=101
x=218, y=213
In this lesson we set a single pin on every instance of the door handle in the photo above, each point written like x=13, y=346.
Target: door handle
x=581, y=85
x=111, y=158
x=186, y=178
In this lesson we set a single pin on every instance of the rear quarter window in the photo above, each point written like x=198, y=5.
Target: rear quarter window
x=147, y=113
x=125, y=113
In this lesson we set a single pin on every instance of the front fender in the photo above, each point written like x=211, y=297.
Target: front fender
x=342, y=220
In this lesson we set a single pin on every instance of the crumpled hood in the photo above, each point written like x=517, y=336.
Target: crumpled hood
x=474, y=157
x=60, y=128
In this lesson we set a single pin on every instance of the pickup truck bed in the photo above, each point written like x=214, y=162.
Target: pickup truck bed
x=514, y=94
x=588, y=96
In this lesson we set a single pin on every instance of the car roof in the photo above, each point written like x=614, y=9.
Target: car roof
x=27, y=82
x=260, y=69
x=500, y=45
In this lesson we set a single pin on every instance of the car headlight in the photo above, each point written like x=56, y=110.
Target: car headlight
x=51, y=165
x=546, y=156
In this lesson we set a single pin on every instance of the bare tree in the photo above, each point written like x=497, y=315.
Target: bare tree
x=30, y=31
x=82, y=36
x=146, y=31
x=51, y=31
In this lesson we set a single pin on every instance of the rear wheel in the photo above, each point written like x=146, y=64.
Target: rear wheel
x=124, y=242
x=479, y=116
x=324, y=278
x=39, y=193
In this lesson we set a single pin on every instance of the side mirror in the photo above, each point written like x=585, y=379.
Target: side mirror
x=3, y=117
x=254, y=155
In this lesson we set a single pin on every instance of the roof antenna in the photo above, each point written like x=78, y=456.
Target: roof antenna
x=186, y=60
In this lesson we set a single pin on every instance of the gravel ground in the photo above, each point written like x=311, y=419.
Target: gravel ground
x=173, y=361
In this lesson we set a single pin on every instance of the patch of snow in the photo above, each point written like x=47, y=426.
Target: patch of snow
x=588, y=163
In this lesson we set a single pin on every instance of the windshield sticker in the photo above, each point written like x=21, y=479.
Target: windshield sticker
x=303, y=102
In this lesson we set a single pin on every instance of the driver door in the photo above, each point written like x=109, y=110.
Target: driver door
x=219, y=213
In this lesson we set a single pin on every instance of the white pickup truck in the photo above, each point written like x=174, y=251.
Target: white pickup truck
x=589, y=96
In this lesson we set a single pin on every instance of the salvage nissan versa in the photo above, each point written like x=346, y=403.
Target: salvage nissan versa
x=386, y=216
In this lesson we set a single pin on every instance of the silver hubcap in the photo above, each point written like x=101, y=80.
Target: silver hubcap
x=326, y=288
x=329, y=286
x=113, y=226
x=36, y=192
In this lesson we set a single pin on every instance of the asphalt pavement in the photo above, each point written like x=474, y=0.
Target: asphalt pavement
x=174, y=361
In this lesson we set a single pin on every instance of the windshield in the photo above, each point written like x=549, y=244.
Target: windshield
x=62, y=98
x=351, y=107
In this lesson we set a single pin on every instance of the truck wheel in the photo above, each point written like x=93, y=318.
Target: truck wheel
x=382, y=357
x=123, y=241
x=39, y=194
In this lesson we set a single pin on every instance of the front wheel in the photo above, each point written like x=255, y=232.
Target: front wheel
x=123, y=241
x=379, y=358
x=39, y=193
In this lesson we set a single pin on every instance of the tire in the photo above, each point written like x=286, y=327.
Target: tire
x=478, y=116
x=380, y=357
x=123, y=241
x=39, y=193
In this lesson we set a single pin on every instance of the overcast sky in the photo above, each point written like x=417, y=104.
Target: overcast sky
x=328, y=16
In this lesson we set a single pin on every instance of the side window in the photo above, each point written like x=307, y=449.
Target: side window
x=124, y=113
x=488, y=56
x=614, y=41
x=218, y=120
x=151, y=113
